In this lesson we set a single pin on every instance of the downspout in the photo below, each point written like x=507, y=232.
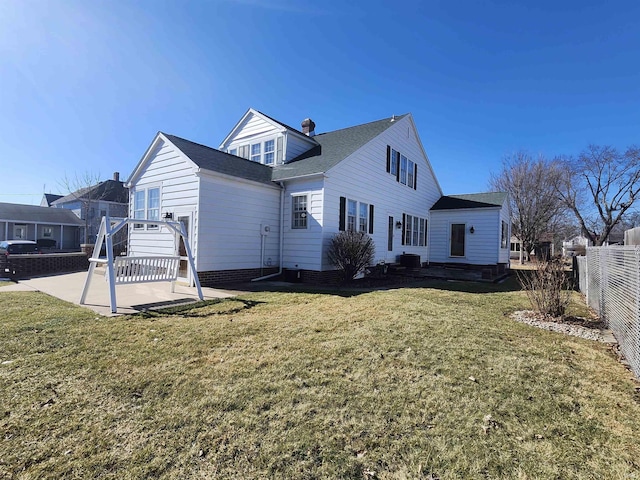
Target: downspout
x=279, y=272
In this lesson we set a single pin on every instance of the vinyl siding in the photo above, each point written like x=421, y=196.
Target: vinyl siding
x=169, y=170
x=303, y=247
x=363, y=177
x=231, y=214
x=481, y=247
x=296, y=146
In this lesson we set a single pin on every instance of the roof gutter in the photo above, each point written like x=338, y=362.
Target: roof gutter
x=281, y=239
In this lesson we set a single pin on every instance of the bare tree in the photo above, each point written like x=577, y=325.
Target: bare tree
x=530, y=184
x=599, y=187
x=81, y=187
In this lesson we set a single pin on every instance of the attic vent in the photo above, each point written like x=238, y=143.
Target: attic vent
x=308, y=127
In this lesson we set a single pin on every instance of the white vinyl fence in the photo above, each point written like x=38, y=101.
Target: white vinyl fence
x=610, y=279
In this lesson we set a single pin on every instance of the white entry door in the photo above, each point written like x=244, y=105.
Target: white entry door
x=184, y=272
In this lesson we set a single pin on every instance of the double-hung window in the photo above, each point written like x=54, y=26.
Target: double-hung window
x=299, y=211
x=355, y=216
x=233, y=151
x=415, y=231
x=269, y=149
x=393, y=163
x=146, y=206
x=363, y=217
x=139, y=207
x=352, y=211
x=153, y=205
x=255, y=152
x=403, y=169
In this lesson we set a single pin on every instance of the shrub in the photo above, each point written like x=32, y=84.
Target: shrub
x=547, y=287
x=351, y=252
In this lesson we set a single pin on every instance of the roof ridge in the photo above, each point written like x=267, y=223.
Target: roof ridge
x=282, y=123
x=395, y=117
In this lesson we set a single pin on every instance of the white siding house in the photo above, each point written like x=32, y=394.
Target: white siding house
x=472, y=229
x=271, y=197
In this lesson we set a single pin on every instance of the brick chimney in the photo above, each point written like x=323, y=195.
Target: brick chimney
x=308, y=127
x=116, y=176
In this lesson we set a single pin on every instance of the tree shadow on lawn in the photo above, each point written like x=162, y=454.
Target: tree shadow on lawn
x=368, y=285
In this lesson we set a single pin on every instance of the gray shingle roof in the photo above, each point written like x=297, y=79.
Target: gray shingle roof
x=51, y=197
x=109, y=191
x=16, y=212
x=470, y=200
x=221, y=162
x=332, y=149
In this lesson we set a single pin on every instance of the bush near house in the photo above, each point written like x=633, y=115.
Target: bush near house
x=547, y=287
x=351, y=252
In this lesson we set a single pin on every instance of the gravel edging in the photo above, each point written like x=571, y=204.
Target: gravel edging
x=535, y=319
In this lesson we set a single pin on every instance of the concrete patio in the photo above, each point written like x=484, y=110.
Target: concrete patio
x=130, y=298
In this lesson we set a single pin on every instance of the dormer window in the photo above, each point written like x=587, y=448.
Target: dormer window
x=269, y=148
x=267, y=152
x=255, y=152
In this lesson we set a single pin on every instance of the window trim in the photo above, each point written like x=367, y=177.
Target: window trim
x=352, y=221
x=415, y=230
x=144, y=192
x=150, y=209
x=248, y=149
x=303, y=215
x=136, y=192
x=271, y=152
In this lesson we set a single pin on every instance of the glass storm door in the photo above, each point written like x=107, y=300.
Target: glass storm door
x=184, y=274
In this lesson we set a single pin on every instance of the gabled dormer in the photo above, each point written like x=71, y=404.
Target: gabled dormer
x=262, y=139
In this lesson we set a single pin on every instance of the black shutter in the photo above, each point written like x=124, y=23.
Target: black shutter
x=404, y=219
x=397, y=160
x=426, y=232
x=415, y=176
x=343, y=214
x=370, y=219
x=388, y=158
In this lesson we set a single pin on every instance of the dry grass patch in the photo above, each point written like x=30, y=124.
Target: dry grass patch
x=402, y=383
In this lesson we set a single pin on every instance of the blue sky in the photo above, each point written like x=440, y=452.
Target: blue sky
x=85, y=85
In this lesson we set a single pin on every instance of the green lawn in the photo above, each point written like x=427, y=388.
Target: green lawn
x=402, y=383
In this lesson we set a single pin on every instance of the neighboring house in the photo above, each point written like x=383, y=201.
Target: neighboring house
x=48, y=199
x=471, y=229
x=30, y=222
x=273, y=197
x=92, y=203
x=575, y=246
x=514, y=248
x=632, y=236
